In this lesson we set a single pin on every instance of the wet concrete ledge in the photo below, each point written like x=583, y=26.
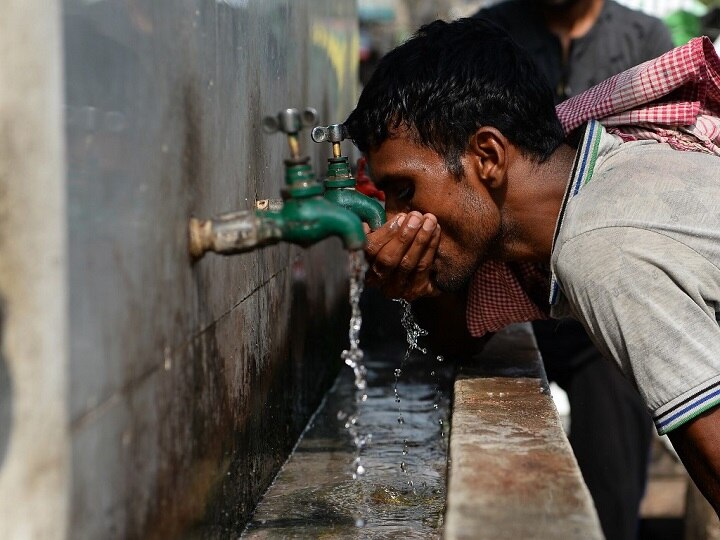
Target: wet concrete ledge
x=512, y=471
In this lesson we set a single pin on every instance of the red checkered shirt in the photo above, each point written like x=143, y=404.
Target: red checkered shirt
x=674, y=98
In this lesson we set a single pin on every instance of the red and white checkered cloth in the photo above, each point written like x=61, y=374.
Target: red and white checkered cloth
x=674, y=98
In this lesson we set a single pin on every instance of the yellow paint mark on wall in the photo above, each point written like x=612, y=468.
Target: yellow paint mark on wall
x=342, y=52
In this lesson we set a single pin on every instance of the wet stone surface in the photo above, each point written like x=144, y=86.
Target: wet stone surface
x=402, y=491
x=513, y=473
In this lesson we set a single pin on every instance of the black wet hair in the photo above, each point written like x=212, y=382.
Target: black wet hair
x=450, y=79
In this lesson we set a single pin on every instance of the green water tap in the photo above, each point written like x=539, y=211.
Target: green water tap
x=304, y=219
x=340, y=183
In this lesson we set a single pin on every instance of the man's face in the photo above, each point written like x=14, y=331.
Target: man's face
x=414, y=177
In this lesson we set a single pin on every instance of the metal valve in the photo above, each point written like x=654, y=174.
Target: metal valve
x=334, y=133
x=290, y=122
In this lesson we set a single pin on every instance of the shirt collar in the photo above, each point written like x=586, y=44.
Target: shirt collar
x=582, y=172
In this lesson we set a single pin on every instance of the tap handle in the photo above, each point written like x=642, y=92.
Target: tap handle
x=290, y=121
x=334, y=134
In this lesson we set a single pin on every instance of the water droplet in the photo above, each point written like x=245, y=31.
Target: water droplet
x=435, y=405
x=403, y=467
x=364, y=397
x=440, y=358
x=398, y=372
x=360, y=470
x=341, y=415
x=359, y=522
x=432, y=373
x=401, y=420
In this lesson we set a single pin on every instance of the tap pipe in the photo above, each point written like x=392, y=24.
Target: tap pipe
x=308, y=221
x=366, y=208
x=311, y=217
x=235, y=232
x=340, y=183
x=274, y=205
x=294, y=145
x=300, y=221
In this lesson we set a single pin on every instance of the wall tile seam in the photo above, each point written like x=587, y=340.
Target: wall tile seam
x=227, y=313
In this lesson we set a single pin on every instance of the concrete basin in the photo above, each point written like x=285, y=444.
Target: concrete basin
x=510, y=473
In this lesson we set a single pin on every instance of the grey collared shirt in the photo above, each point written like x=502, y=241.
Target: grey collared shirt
x=636, y=259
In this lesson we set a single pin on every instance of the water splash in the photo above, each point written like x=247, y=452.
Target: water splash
x=413, y=331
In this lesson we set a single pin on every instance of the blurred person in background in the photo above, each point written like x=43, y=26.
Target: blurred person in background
x=577, y=44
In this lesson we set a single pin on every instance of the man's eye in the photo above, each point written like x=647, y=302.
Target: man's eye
x=406, y=193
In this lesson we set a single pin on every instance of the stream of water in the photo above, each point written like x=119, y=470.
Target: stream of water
x=353, y=357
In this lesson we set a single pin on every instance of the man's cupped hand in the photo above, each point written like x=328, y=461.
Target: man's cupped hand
x=400, y=255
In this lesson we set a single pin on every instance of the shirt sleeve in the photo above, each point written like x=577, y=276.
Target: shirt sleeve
x=649, y=303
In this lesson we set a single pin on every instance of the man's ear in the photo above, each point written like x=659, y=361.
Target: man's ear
x=488, y=151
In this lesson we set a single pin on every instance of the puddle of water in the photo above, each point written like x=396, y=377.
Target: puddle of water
x=314, y=496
